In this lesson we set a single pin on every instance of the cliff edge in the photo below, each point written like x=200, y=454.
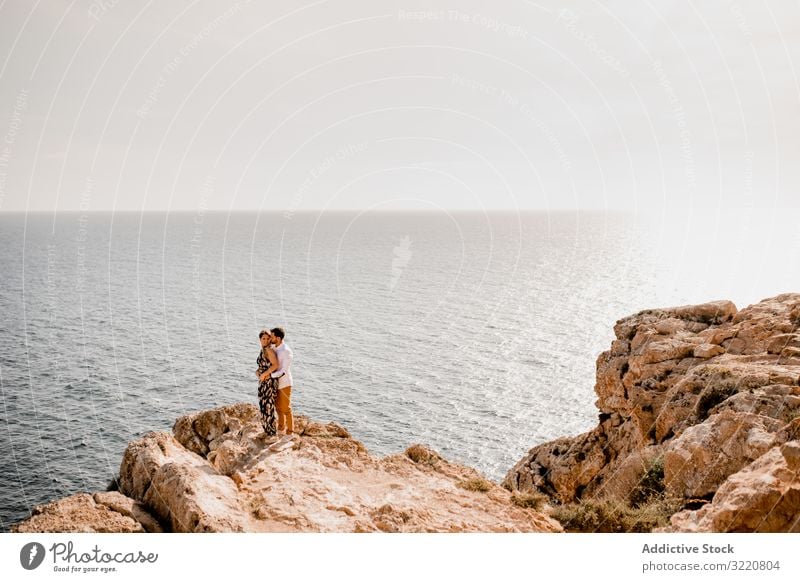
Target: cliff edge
x=699, y=405
x=217, y=472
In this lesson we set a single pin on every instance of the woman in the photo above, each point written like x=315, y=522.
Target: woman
x=267, y=363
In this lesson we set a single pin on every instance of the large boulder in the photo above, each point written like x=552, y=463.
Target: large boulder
x=103, y=512
x=762, y=497
x=698, y=461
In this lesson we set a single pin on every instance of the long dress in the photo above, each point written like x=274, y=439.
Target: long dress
x=267, y=390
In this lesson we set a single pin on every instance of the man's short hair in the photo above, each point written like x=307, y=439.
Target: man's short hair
x=262, y=333
x=278, y=331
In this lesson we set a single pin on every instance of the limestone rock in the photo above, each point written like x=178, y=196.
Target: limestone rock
x=729, y=383
x=130, y=508
x=782, y=341
x=179, y=487
x=195, y=499
x=562, y=468
x=198, y=431
x=627, y=474
x=706, y=389
x=762, y=497
x=220, y=473
x=698, y=462
x=143, y=457
x=706, y=351
x=82, y=513
x=714, y=312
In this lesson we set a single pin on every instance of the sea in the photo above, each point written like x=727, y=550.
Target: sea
x=475, y=333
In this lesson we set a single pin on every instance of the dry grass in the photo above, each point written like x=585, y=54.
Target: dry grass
x=422, y=455
x=794, y=316
x=788, y=415
x=533, y=501
x=476, y=484
x=615, y=516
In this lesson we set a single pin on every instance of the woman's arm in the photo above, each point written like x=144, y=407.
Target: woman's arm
x=260, y=363
x=273, y=364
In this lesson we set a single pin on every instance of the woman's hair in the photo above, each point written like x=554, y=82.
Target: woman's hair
x=262, y=333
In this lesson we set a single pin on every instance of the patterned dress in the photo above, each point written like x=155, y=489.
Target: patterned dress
x=267, y=390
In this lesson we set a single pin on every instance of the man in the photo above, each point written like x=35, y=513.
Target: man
x=284, y=376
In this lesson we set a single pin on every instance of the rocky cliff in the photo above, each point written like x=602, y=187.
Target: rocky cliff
x=699, y=404
x=217, y=472
x=699, y=408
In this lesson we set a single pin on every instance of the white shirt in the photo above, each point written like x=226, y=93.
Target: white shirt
x=285, y=355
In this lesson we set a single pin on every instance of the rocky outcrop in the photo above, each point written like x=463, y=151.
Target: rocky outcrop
x=762, y=497
x=702, y=457
x=217, y=472
x=103, y=512
x=702, y=398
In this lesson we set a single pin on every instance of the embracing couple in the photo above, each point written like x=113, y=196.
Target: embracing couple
x=275, y=383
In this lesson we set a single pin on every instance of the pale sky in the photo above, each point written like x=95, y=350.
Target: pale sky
x=645, y=106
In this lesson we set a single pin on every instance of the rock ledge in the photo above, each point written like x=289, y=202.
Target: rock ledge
x=218, y=473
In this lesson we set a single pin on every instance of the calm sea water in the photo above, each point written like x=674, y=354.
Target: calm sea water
x=476, y=334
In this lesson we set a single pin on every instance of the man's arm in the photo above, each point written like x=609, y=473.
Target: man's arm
x=273, y=365
x=286, y=361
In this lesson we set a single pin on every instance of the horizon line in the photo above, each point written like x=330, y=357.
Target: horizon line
x=317, y=210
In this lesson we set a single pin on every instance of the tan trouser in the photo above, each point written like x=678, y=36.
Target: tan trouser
x=283, y=404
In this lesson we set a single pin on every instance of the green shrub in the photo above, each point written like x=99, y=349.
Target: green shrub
x=651, y=484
